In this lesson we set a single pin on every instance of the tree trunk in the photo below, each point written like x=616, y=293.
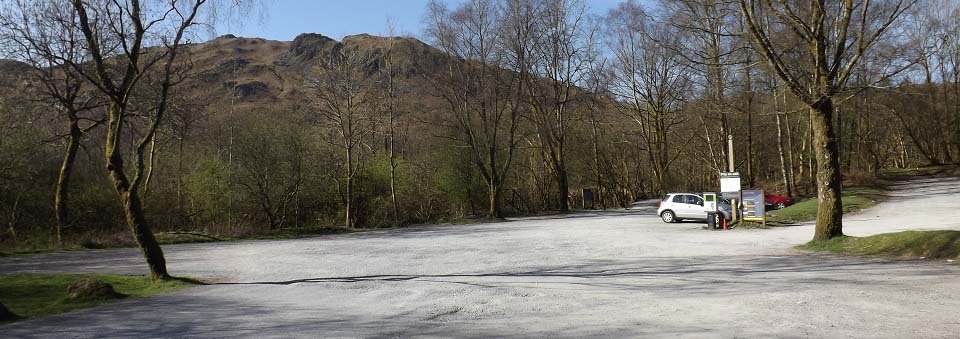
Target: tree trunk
x=130, y=201
x=181, y=209
x=956, y=100
x=790, y=150
x=803, y=169
x=393, y=190
x=811, y=151
x=783, y=161
x=829, y=186
x=347, y=204
x=393, y=170
x=63, y=180
x=658, y=172
x=133, y=212
x=494, y=195
x=348, y=196
x=143, y=235
x=596, y=162
x=838, y=116
x=153, y=153
x=749, y=88
x=12, y=223
x=563, y=187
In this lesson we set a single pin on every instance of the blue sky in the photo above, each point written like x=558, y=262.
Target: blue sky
x=284, y=19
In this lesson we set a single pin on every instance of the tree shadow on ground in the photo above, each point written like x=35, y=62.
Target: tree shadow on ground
x=205, y=316
x=268, y=309
x=692, y=275
x=246, y=309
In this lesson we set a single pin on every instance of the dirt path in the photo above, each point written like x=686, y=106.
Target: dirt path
x=621, y=273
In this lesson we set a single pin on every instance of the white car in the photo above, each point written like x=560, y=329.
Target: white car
x=689, y=206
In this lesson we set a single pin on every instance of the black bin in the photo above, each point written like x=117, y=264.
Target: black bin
x=712, y=220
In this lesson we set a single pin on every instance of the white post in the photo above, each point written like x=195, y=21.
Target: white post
x=731, y=168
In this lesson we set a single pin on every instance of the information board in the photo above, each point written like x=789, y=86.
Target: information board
x=753, y=205
x=730, y=184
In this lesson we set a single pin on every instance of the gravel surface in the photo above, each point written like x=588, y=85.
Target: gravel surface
x=603, y=274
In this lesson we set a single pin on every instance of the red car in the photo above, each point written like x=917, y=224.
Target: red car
x=776, y=201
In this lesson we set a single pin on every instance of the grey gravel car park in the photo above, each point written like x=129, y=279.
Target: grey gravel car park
x=593, y=274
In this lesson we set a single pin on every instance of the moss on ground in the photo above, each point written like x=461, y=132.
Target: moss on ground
x=36, y=295
x=907, y=244
x=750, y=225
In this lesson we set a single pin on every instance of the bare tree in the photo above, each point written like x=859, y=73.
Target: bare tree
x=930, y=29
x=598, y=85
x=560, y=63
x=390, y=82
x=342, y=99
x=484, y=98
x=652, y=78
x=834, y=37
x=708, y=43
x=31, y=32
x=115, y=36
x=183, y=126
x=270, y=167
x=786, y=170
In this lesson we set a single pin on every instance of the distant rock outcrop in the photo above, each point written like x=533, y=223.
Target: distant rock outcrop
x=12, y=71
x=248, y=89
x=13, y=65
x=233, y=65
x=308, y=46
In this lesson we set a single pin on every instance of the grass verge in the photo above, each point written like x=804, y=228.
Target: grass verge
x=907, y=244
x=282, y=233
x=36, y=295
x=927, y=171
x=854, y=199
x=167, y=238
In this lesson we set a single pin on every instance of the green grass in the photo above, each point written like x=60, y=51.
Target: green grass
x=282, y=233
x=927, y=171
x=165, y=238
x=40, y=250
x=36, y=295
x=907, y=244
x=854, y=199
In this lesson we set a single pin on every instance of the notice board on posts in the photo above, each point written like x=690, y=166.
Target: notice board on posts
x=730, y=184
x=753, y=205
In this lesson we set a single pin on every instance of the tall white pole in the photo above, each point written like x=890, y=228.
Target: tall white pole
x=730, y=165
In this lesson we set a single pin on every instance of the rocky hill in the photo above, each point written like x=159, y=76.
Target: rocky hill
x=250, y=73
x=253, y=73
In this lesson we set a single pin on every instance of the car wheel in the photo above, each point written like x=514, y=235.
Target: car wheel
x=668, y=217
x=781, y=205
